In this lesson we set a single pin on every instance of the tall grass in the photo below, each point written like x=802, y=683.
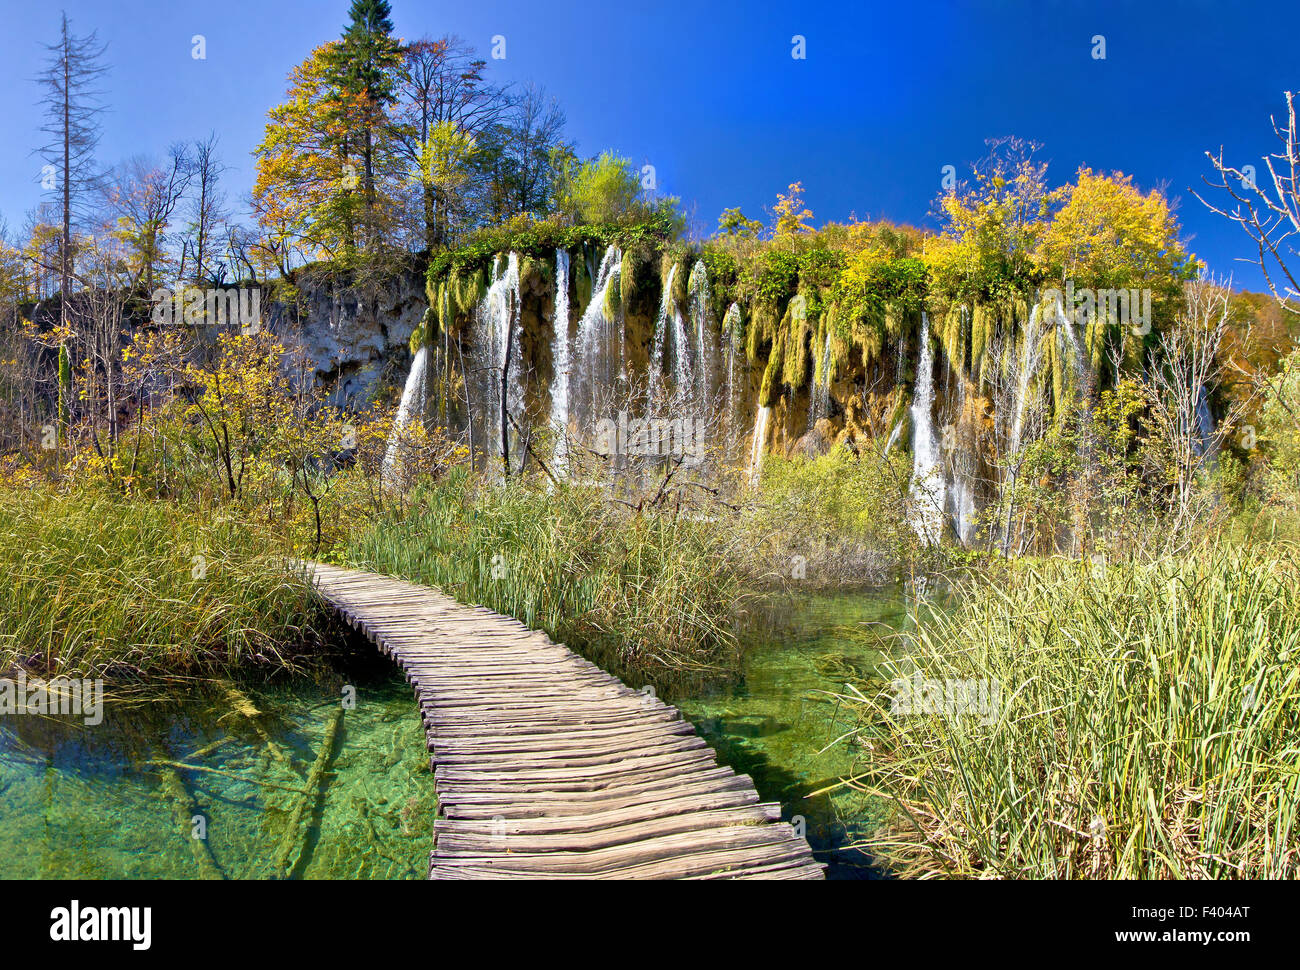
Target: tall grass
x=1149, y=725
x=649, y=591
x=92, y=583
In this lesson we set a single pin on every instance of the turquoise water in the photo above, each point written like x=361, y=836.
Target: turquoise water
x=780, y=720
x=119, y=800
x=96, y=802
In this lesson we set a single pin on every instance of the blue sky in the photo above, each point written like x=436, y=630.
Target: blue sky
x=709, y=94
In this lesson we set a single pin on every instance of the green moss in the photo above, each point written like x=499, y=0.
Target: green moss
x=983, y=324
x=761, y=331
x=795, y=331
x=65, y=388
x=582, y=280
x=423, y=334
x=533, y=273
x=767, y=390
x=466, y=290
x=680, y=280
x=613, y=300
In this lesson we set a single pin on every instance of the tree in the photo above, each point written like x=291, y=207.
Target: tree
x=206, y=212
x=533, y=129
x=72, y=109
x=993, y=225
x=732, y=222
x=1187, y=369
x=1268, y=209
x=1108, y=234
x=443, y=90
x=362, y=69
x=791, y=218
x=302, y=193
x=140, y=203
x=604, y=189
x=443, y=171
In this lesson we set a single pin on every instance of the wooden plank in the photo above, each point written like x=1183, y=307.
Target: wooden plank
x=547, y=766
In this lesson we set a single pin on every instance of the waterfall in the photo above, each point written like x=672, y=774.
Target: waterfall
x=596, y=345
x=412, y=399
x=560, y=363
x=1066, y=326
x=960, y=487
x=498, y=333
x=730, y=330
x=756, y=448
x=926, y=514
x=670, y=322
x=697, y=288
x=658, y=347
x=819, y=401
x=1028, y=364
x=894, y=435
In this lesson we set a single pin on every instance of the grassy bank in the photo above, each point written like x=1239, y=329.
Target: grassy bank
x=1147, y=727
x=644, y=592
x=98, y=584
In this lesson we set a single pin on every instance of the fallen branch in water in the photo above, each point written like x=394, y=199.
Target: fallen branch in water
x=280, y=866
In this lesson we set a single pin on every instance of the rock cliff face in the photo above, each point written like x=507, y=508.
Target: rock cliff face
x=356, y=341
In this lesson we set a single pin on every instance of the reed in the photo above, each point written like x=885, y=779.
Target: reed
x=1149, y=725
x=643, y=591
x=94, y=584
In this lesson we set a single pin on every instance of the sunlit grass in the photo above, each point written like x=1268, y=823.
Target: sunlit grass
x=1149, y=725
x=94, y=583
x=651, y=590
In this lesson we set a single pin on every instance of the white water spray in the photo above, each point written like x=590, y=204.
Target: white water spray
x=926, y=513
x=412, y=399
x=560, y=363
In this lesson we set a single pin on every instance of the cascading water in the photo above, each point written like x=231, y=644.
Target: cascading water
x=412, y=400
x=960, y=487
x=598, y=346
x=697, y=288
x=671, y=324
x=499, y=337
x=731, y=334
x=560, y=363
x=1028, y=364
x=1067, y=328
x=819, y=401
x=894, y=436
x=926, y=513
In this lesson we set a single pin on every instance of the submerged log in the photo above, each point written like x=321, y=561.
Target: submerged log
x=281, y=867
x=185, y=809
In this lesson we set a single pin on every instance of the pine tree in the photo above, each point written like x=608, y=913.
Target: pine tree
x=363, y=68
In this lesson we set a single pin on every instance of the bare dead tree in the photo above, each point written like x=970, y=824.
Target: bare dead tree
x=207, y=211
x=1186, y=370
x=72, y=109
x=1268, y=209
x=139, y=205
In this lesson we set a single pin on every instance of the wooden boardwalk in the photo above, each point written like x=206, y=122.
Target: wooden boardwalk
x=548, y=767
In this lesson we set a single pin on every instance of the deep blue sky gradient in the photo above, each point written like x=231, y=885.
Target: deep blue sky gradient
x=708, y=93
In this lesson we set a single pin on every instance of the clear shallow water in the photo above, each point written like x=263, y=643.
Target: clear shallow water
x=86, y=802
x=91, y=802
x=778, y=722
